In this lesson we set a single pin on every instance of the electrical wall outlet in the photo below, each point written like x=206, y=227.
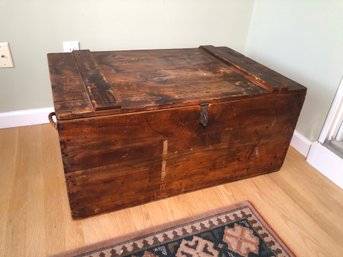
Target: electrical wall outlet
x=69, y=46
x=5, y=55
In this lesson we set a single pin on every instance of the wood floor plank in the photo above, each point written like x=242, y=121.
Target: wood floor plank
x=8, y=149
x=19, y=210
x=32, y=168
x=319, y=204
x=302, y=206
x=61, y=231
x=293, y=221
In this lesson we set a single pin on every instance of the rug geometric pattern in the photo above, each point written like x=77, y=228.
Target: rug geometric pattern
x=239, y=231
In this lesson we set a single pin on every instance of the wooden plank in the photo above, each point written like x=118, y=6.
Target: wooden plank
x=69, y=94
x=131, y=81
x=262, y=75
x=112, y=189
x=137, y=183
x=99, y=90
x=97, y=141
x=158, y=78
x=242, y=139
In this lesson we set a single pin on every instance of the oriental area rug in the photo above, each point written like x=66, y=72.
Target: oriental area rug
x=234, y=231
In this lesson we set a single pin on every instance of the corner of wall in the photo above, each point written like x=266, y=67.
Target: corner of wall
x=249, y=27
x=301, y=143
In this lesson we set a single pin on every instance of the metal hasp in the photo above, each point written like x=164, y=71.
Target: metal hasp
x=203, y=114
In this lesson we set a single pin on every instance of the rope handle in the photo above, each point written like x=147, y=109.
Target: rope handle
x=52, y=122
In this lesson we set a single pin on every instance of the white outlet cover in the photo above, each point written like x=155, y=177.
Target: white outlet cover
x=69, y=46
x=5, y=55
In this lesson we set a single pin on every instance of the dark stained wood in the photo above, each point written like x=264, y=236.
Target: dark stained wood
x=264, y=76
x=243, y=138
x=98, y=88
x=168, y=77
x=130, y=137
x=69, y=94
x=150, y=80
x=154, y=145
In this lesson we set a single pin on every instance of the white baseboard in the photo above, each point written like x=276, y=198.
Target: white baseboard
x=321, y=158
x=301, y=143
x=327, y=163
x=25, y=117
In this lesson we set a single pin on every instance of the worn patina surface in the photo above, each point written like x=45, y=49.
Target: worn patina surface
x=136, y=126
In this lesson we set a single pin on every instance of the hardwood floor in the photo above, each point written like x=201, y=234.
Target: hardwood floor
x=303, y=207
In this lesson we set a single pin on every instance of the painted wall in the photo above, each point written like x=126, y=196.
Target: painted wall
x=36, y=27
x=302, y=39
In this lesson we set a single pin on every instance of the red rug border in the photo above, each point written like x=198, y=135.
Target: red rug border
x=169, y=225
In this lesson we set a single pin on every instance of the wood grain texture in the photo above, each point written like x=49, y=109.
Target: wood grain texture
x=99, y=90
x=113, y=160
x=35, y=217
x=262, y=75
x=224, y=117
x=145, y=80
x=68, y=90
x=167, y=77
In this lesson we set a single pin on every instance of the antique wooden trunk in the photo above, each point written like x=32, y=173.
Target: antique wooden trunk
x=137, y=126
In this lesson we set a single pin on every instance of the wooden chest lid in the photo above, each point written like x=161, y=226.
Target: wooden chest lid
x=86, y=84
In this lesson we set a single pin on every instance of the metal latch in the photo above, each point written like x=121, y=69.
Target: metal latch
x=203, y=114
